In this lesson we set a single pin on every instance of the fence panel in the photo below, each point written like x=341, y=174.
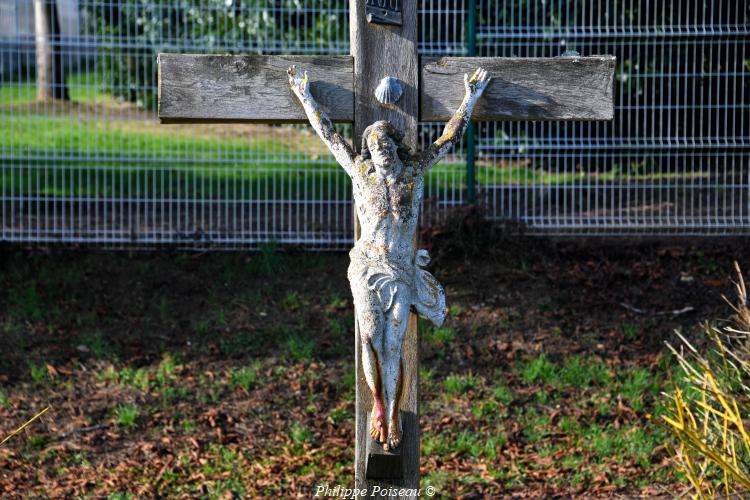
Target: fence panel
x=98, y=169
x=675, y=158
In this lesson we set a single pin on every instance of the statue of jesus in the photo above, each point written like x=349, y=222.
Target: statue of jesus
x=386, y=275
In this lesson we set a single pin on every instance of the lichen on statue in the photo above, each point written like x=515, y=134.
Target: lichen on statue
x=386, y=274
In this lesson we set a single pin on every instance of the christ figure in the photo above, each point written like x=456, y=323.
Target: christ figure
x=386, y=275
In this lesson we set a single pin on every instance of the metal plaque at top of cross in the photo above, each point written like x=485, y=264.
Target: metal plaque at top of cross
x=384, y=12
x=385, y=89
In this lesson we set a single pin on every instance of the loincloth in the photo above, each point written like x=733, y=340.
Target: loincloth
x=386, y=280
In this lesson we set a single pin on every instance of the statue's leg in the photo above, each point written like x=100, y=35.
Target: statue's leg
x=371, y=331
x=395, y=330
x=371, y=368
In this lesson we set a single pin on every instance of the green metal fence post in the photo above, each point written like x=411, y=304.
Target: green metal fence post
x=471, y=50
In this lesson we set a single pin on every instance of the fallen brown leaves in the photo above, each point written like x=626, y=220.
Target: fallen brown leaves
x=198, y=435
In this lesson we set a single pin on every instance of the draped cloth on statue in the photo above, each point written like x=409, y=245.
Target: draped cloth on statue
x=390, y=282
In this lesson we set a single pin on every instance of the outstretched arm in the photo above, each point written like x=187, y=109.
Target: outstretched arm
x=455, y=128
x=320, y=121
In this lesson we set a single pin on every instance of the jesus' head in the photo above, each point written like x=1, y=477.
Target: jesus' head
x=382, y=143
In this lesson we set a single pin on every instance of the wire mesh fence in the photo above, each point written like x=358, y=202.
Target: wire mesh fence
x=675, y=158
x=88, y=163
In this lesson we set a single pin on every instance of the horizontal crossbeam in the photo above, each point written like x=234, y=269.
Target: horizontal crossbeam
x=218, y=88
x=236, y=89
x=522, y=88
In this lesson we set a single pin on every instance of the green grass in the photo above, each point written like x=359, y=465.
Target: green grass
x=165, y=372
x=39, y=373
x=584, y=372
x=75, y=152
x=535, y=424
x=201, y=327
x=98, y=345
x=502, y=394
x=127, y=416
x=440, y=337
x=292, y=302
x=245, y=377
x=577, y=371
x=457, y=384
x=37, y=442
x=141, y=141
x=26, y=302
x=162, y=379
x=634, y=442
x=340, y=415
x=83, y=87
x=563, y=409
x=120, y=496
x=98, y=154
x=539, y=369
x=300, y=348
x=339, y=328
x=299, y=435
x=631, y=330
x=477, y=445
x=138, y=378
x=638, y=383
x=105, y=157
x=269, y=261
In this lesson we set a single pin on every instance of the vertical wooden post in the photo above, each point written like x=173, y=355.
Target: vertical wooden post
x=379, y=51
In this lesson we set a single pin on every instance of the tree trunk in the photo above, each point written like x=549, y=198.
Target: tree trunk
x=50, y=73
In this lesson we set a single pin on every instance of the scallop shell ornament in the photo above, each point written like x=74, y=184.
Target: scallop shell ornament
x=388, y=90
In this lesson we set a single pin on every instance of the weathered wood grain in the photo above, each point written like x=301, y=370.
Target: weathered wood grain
x=379, y=51
x=556, y=88
x=220, y=88
x=381, y=464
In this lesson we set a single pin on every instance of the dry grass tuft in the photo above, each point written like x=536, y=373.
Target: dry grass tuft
x=708, y=408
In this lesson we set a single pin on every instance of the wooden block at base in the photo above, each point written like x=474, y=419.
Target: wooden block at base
x=383, y=465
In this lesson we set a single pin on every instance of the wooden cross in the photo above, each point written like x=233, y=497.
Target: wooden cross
x=254, y=88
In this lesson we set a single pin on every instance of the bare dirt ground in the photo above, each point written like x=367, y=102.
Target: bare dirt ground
x=229, y=375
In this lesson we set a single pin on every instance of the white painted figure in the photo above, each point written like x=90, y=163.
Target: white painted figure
x=386, y=275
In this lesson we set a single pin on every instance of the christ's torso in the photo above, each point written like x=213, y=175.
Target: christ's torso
x=388, y=211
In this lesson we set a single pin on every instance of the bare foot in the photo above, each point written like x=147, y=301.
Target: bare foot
x=378, y=429
x=394, y=431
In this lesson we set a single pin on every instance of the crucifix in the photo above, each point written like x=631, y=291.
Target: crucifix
x=384, y=89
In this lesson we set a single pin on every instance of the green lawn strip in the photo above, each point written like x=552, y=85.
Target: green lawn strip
x=127, y=151
x=88, y=160
x=152, y=183
x=69, y=135
x=83, y=87
x=69, y=156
